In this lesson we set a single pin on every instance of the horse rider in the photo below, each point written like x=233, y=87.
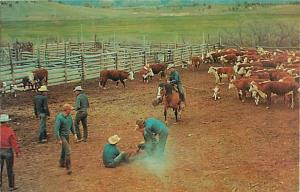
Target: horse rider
x=175, y=79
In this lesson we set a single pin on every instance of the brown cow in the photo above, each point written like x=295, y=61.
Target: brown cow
x=265, y=89
x=277, y=75
x=242, y=85
x=146, y=73
x=229, y=58
x=196, y=61
x=36, y=79
x=221, y=72
x=159, y=68
x=115, y=75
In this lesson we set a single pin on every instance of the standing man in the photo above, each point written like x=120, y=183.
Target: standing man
x=9, y=144
x=112, y=157
x=63, y=127
x=150, y=128
x=175, y=79
x=81, y=106
x=41, y=111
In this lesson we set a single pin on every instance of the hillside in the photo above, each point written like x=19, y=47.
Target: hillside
x=55, y=21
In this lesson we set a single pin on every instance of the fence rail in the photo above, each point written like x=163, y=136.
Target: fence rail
x=70, y=62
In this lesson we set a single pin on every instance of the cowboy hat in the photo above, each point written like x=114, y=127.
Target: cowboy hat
x=4, y=118
x=78, y=88
x=43, y=88
x=114, y=139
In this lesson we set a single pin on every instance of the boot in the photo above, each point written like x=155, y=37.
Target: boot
x=62, y=163
x=11, y=181
x=68, y=166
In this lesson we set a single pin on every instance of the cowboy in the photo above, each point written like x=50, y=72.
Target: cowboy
x=81, y=106
x=63, y=127
x=175, y=79
x=41, y=111
x=151, y=128
x=8, y=145
x=112, y=157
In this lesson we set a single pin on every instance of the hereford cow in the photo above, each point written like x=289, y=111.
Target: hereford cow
x=146, y=73
x=115, y=75
x=222, y=72
x=259, y=74
x=276, y=75
x=196, y=61
x=265, y=89
x=229, y=58
x=159, y=68
x=242, y=86
x=36, y=79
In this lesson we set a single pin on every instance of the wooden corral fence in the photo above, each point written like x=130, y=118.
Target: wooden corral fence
x=73, y=62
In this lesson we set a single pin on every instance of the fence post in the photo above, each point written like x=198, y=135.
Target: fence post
x=82, y=69
x=116, y=60
x=65, y=63
x=11, y=65
x=130, y=60
x=144, y=57
x=38, y=59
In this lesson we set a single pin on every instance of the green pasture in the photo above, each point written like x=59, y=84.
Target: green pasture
x=51, y=21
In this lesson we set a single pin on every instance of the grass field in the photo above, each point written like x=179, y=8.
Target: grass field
x=39, y=21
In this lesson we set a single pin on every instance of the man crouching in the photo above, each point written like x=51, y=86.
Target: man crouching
x=63, y=126
x=112, y=157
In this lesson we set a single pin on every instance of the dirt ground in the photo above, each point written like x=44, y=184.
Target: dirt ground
x=222, y=145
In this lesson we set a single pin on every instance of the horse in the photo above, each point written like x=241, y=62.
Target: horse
x=167, y=93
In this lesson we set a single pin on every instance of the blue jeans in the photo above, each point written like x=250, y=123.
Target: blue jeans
x=122, y=157
x=42, y=129
x=81, y=116
x=65, y=155
x=7, y=156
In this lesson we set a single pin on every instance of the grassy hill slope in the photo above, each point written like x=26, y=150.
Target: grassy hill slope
x=44, y=20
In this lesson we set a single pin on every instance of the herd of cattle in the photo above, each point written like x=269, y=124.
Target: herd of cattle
x=260, y=73
x=257, y=72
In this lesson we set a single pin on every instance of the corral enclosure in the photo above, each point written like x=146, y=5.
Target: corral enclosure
x=222, y=145
x=68, y=62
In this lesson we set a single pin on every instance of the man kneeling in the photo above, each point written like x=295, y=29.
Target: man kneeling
x=112, y=157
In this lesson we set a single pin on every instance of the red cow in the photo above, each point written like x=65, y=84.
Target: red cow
x=277, y=75
x=115, y=75
x=196, y=61
x=36, y=79
x=146, y=73
x=242, y=86
x=268, y=64
x=229, y=58
x=221, y=72
x=159, y=68
x=265, y=90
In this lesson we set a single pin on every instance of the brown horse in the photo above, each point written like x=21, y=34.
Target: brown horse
x=170, y=96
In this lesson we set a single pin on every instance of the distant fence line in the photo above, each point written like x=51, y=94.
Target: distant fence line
x=73, y=62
